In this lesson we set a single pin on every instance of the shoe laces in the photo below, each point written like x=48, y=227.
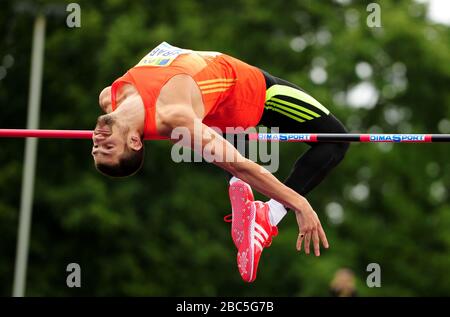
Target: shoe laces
x=228, y=218
x=273, y=233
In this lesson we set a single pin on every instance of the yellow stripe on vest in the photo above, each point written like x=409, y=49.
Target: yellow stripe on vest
x=216, y=85
x=211, y=81
x=210, y=91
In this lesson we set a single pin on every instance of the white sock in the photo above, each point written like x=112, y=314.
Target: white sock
x=276, y=212
x=233, y=180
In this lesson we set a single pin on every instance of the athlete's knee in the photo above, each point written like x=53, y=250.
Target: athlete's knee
x=325, y=154
x=342, y=149
x=338, y=151
x=330, y=153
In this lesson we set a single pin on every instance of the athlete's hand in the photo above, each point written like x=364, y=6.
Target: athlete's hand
x=310, y=228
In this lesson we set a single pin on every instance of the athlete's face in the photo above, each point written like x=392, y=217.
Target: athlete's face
x=109, y=140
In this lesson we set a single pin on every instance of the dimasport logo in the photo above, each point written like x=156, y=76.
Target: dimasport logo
x=397, y=137
x=284, y=137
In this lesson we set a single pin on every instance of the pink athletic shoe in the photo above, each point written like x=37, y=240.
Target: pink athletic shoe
x=240, y=195
x=257, y=234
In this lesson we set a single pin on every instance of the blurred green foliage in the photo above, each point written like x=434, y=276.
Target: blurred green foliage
x=161, y=233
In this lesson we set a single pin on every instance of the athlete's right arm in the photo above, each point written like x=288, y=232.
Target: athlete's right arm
x=215, y=149
x=175, y=109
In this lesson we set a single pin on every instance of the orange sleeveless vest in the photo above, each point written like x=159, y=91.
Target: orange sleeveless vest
x=233, y=92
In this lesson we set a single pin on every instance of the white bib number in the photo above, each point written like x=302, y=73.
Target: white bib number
x=162, y=55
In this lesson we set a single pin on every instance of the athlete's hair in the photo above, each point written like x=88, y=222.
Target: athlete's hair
x=130, y=162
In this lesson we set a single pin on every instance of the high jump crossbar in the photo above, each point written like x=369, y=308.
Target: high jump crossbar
x=271, y=137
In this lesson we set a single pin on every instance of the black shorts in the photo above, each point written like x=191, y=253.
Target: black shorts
x=289, y=108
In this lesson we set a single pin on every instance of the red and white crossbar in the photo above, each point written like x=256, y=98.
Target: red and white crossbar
x=271, y=137
x=349, y=137
x=45, y=134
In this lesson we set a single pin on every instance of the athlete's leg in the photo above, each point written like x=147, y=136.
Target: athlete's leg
x=293, y=112
x=315, y=164
x=290, y=109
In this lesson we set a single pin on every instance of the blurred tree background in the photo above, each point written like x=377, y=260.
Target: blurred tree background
x=161, y=233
